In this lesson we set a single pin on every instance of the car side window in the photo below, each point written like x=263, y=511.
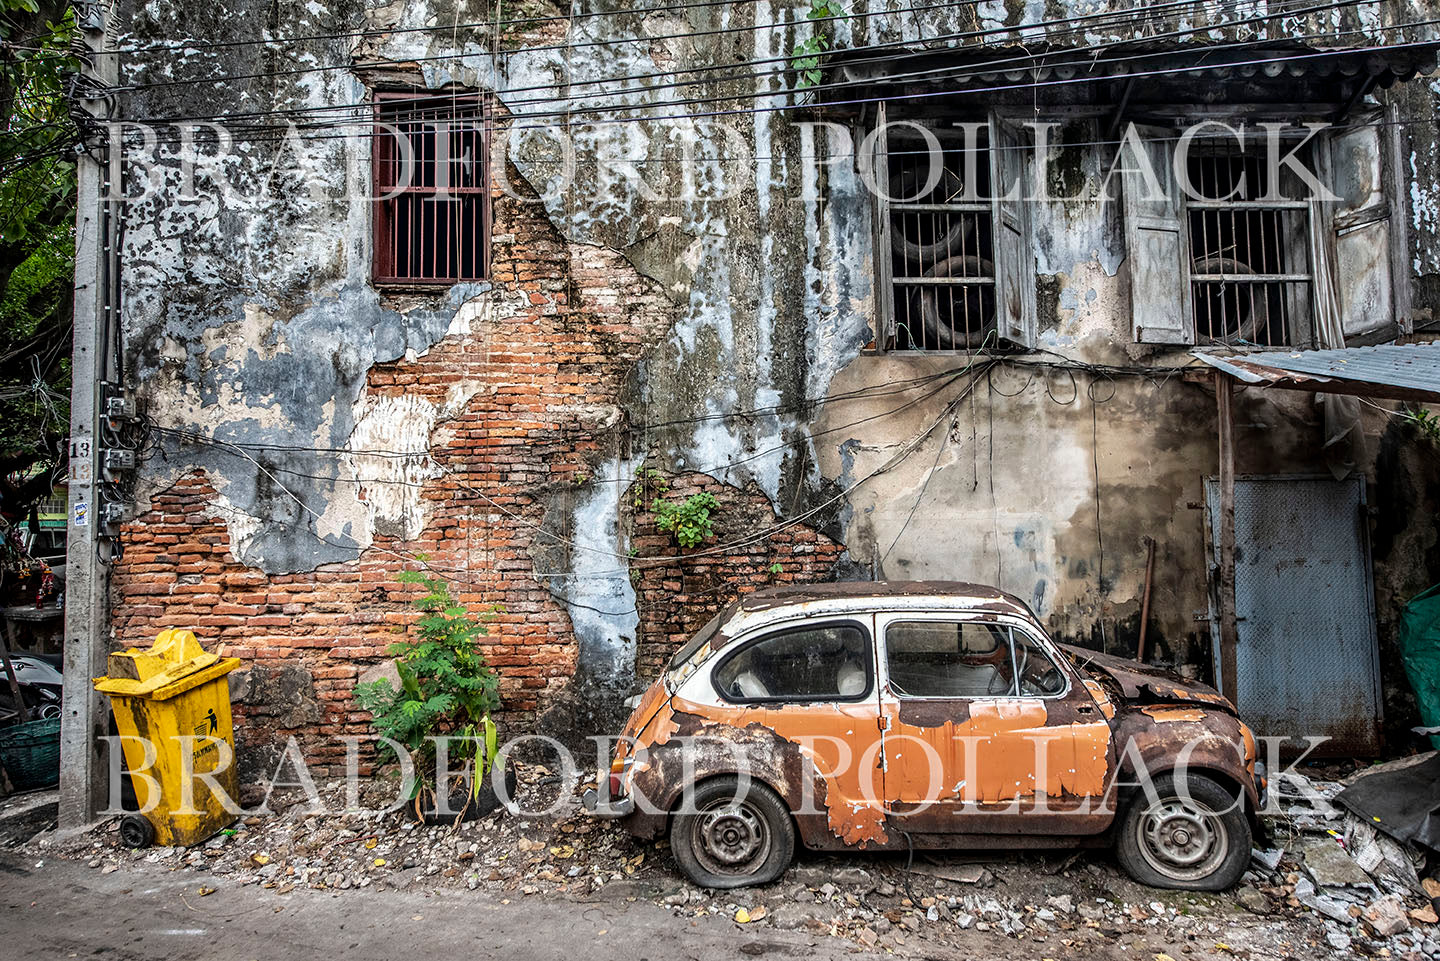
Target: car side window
x=949, y=659
x=828, y=662
x=967, y=659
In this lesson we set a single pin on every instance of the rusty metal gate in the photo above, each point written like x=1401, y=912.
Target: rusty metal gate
x=1307, y=663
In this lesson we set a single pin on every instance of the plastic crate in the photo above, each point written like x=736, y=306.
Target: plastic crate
x=30, y=753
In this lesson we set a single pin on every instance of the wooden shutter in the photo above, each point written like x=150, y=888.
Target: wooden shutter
x=1014, y=254
x=1157, y=243
x=885, y=328
x=1361, y=224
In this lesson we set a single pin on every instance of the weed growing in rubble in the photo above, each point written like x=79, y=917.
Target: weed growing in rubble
x=446, y=690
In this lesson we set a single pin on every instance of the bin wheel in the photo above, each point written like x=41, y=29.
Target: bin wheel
x=136, y=831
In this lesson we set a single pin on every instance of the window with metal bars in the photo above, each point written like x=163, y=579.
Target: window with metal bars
x=954, y=262
x=1250, y=272
x=430, y=155
x=942, y=242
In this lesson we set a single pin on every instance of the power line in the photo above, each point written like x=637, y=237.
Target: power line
x=850, y=61
x=566, y=46
x=1092, y=21
x=892, y=98
x=754, y=538
x=1158, y=375
x=382, y=32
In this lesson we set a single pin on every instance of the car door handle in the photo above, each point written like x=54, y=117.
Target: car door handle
x=1084, y=709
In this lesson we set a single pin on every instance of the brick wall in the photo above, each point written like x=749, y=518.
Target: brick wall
x=678, y=590
x=540, y=375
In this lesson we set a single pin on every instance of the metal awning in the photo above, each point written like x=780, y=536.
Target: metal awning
x=1390, y=371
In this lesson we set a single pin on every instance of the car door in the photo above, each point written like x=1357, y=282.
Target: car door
x=813, y=683
x=988, y=729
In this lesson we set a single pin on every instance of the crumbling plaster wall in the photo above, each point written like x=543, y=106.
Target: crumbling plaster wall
x=250, y=319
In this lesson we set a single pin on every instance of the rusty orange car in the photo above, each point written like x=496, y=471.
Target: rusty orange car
x=909, y=715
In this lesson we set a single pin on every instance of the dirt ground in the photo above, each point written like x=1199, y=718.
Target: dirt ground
x=307, y=873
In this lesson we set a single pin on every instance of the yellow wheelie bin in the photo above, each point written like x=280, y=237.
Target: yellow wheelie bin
x=172, y=710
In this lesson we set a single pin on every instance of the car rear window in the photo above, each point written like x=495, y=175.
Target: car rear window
x=826, y=662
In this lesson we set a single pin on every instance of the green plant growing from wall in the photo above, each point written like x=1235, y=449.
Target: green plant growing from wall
x=1426, y=421
x=805, y=55
x=689, y=521
x=446, y=690
x=648, y=478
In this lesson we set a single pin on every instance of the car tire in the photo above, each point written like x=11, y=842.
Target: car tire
x=136, y=831
x=1196, y=839
x=729, y=836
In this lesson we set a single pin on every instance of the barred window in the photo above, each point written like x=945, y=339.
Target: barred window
x=942, y=245
x=430, y=155
x=954, y=262
x=1249, y=252
x=1265, y=264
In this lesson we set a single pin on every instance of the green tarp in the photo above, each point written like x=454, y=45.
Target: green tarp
x=1420, y=652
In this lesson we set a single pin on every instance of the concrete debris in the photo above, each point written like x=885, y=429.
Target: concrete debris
x=1331, y=866
x=1386, y=917
x=1332, y=908
x=1390, y=861
x=1269, y=858
x=1308, y=804
x=1062, y=903
x=1252, y=900
x=959, y=873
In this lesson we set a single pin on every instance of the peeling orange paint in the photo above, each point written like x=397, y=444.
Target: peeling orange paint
x=1102, y=699
x=1173, y=713
x=841, y=740
x=1013, y=743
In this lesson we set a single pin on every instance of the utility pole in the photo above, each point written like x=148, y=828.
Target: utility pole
x=83, y=769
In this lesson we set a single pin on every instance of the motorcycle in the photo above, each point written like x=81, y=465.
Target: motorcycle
x=40, y=680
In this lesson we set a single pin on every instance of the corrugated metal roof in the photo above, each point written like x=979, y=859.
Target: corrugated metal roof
x=1405, y=371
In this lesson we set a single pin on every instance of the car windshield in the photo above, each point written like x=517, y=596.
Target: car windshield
x=698, y=647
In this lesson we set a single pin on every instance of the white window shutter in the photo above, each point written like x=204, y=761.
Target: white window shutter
x=1361, y=222
x=1157, y=242
x=1010, y=190
x=880, y=209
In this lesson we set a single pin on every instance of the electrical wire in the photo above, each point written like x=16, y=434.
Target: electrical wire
x=277, y=133
x=888, y=465
x=902, y=49
x=1086, y=55
x=570, y=18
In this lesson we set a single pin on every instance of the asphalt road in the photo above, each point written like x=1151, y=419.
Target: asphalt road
x=56, y=909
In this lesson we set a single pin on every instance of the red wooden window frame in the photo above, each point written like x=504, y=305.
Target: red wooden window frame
x=423, y=234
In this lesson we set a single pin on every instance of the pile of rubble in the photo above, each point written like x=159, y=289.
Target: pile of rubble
x=1330, y=884
x=1358, y=880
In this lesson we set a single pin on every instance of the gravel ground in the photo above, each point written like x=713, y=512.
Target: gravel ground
x=1047, y=905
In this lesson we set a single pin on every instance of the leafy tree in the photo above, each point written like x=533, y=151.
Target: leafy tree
x=37, y=246
x=446, y=690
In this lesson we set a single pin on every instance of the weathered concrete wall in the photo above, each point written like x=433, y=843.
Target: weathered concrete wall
x=685, y=319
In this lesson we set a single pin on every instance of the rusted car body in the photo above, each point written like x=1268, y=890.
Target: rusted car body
x=894, y=715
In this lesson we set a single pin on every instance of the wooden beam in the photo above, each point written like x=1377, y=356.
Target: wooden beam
x=1229, y=626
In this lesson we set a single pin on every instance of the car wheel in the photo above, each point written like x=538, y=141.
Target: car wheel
x=727, y=836
x=1196, y=839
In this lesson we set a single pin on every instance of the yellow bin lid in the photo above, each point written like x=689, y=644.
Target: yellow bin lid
x=173, y=664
